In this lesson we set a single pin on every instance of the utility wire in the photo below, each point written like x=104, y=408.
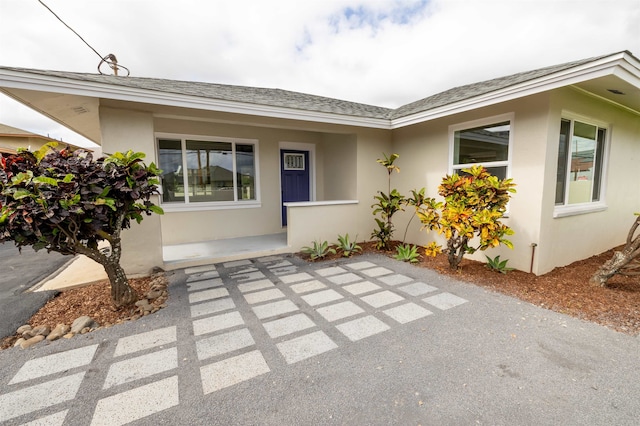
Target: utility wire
x=109, y=59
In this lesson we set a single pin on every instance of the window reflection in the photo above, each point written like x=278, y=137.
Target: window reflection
x=482, y=144
x=215, y=171
x=170, y=161
x=580, y=154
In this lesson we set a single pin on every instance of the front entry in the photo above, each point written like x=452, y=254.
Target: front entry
x=294, y=175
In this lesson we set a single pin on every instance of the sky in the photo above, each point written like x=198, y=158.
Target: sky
x=380, y=52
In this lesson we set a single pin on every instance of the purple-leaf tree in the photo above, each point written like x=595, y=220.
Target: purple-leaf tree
x=65, y=201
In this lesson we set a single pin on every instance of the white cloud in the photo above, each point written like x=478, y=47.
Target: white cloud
x=383, y=52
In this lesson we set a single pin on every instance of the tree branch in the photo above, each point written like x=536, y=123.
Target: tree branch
x=633, y=231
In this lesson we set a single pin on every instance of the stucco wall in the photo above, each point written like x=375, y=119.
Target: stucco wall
x=327, y=222
x=567, y=239
x=121, y=131
x=340, y=167
x=424, y=161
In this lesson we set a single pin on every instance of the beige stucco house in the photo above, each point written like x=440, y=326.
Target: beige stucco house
x=569, y=135
x=12, y=138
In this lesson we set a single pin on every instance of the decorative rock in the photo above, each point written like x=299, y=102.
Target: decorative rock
x=19, y=342
x=41, y=330
x=85, y=330
x=144, y=306
x=142, y=302
x=69, y=335
x=23, y=328
x=30, y=342
x=58, y=332
x=28, y=334
x=81, y=323
x=153, y=294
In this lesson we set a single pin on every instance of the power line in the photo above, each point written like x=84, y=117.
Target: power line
x=109, y=59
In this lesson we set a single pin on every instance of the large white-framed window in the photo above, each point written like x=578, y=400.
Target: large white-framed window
x=486, y=142
x=208, y=172
x=582, y=159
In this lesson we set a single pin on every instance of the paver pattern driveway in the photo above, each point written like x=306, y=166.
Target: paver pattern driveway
x=248, y=316
x=276, y=340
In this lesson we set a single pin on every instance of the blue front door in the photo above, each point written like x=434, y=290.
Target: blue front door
x=294, y=174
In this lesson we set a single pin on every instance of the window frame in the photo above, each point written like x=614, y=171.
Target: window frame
x=496, y=119
x=565, y=209
x=186, y=205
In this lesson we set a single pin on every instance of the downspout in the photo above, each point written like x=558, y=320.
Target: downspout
x=533, y=255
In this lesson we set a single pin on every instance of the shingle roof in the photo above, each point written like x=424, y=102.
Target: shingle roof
x=224, y=92
x=469, y=91
x=306, y=102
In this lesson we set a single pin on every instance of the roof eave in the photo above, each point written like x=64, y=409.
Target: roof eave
x=27, y=81
x=622, y=64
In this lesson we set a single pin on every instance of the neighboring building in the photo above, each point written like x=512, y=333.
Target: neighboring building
x=569, y=136
x=12, y=138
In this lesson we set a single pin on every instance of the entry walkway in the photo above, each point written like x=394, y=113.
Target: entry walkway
x=369, y=340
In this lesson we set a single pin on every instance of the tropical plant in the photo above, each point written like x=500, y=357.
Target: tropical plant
x=64, y=201
x=407, y=253
x=474, y=203
x=625, y=262
x=432, y=249
x=318, y=250
x=416, y=200
x=387, y=205
x=497, y=265
x=348, y=247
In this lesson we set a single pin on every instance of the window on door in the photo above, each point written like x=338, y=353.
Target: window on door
x=216, y=171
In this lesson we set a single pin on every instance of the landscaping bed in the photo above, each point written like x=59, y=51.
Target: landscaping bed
x=566, y=289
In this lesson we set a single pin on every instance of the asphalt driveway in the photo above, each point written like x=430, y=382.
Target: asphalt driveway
x=277, y=341
x=21, y=271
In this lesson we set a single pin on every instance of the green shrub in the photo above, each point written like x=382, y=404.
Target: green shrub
x=348, y=247
x=319, y=250
x=497, y=265
x=407, y=253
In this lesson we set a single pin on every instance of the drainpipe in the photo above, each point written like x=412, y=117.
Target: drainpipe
x=533, y=255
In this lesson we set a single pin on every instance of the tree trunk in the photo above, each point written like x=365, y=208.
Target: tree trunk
x=455, y=248
x=611, y=267
x=621, y=260
x=122, y=294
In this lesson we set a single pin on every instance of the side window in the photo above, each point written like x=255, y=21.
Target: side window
x=580, y=162
x=487, y=145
